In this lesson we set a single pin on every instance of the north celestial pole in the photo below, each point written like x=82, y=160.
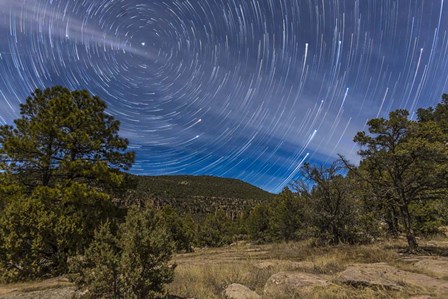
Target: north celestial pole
x=245, y=89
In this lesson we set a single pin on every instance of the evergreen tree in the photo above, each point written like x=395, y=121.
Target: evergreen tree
x=216, y=230
x=288, y=216
x=61, y=137
x=259, y=223
x=146, y=249
x=180, y=227
x=98, y=270
x=405, y=161
x=61, y=162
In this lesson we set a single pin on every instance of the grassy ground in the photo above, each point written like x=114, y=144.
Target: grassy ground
x=205, y=273
x=34, y=286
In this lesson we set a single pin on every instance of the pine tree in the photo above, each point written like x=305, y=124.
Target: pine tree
x=406, y=161
x=61, y=162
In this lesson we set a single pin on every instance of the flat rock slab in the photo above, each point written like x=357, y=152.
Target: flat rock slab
x=383, y=275
x=284, y=283
x=239, y=291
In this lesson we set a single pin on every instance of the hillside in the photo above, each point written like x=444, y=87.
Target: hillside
x=198, y=194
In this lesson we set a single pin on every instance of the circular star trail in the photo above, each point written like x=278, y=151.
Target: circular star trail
x=246, y=89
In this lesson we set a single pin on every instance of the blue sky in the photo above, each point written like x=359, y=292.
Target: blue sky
x=244, y=89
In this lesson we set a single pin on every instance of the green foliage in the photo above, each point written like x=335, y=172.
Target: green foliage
x=333, y=207
x=135, y=264
x=406, y=160
x=98, y=269
x=278, y=220
x=61, y=163
x=146, y=251
x=64, y=136
x=41, y=230
x=289, y=216
x=216, y=230
x=429, y=216
x=259, y=223
x=181, y=229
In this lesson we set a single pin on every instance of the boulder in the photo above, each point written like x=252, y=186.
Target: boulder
x=238, y=291
x=289, y=283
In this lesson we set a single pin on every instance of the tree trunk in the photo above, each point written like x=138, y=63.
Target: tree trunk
x=410, y=235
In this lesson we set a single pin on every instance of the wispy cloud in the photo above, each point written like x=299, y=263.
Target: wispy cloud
x=42, y=17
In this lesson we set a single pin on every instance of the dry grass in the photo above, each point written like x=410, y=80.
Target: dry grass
x=53, y=283
x=206, y=280
x=206, y=273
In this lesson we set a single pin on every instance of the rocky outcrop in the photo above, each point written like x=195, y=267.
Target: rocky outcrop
x=238, y=291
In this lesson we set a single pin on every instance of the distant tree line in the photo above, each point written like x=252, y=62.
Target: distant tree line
x=63, y=205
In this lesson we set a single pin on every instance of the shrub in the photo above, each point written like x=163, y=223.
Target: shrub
x=39, y=231
x=135, y=264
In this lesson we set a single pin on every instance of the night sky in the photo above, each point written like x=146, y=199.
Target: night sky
x=249, y=89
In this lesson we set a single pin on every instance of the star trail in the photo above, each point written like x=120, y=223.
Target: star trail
x=249, y=89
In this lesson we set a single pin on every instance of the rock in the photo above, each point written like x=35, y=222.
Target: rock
x=383, y=275
x=284, y=283
x=238, y=291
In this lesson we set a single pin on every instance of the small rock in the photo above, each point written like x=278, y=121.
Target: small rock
x=284, y=283
x=238, y=291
